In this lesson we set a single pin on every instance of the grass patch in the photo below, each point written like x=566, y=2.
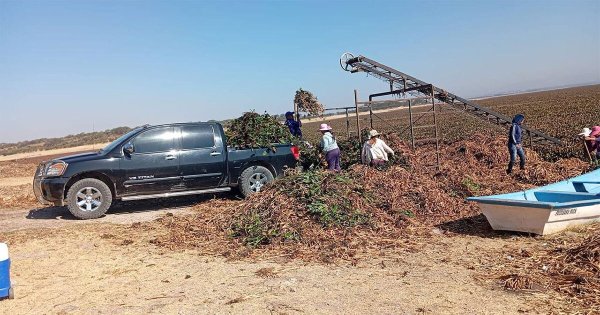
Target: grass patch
x=471, y=185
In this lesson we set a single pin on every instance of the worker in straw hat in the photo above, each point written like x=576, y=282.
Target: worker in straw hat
x=587, y=144
x=375, y=151
x=330, y=147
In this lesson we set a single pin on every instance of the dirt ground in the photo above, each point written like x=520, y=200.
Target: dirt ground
x=65, y=266
x=61, y=265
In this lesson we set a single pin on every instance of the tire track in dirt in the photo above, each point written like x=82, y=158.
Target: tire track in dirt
x=54, y=217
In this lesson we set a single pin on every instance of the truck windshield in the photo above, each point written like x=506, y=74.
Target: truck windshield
x=115, y=143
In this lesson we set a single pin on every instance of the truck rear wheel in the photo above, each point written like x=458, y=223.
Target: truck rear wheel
x=253, y=179
x=89, y=198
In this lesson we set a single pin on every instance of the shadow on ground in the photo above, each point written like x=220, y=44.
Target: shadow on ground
x=477, y=226
x=123, y=208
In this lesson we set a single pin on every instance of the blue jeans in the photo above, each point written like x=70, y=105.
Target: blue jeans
x=513, y=150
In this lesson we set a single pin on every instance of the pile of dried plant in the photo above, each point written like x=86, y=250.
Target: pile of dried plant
x=319, y=198
x=563, y=263
x=323, y=216
x=307, y=102
x=312, y=216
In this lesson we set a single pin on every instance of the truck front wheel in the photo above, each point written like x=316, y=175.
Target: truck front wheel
x=253, y=179
x=89, y=198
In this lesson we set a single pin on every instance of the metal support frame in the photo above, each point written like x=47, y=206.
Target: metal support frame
x=358, y=135
x=370, y=115
x=347, y=124
x=437, y=137
x=346, y=111
x=412, y=131
x=406, y=83
x=430, y=95
x=367, y=103
x=403, y=90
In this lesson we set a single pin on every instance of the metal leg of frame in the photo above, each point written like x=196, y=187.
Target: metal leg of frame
x=357, y=116
x=437, y=139
x=410, y=117
x=347, y=124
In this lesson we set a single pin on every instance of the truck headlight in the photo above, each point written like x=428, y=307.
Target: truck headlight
x=56, y=168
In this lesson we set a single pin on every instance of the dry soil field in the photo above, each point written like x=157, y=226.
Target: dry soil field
x=559, y=113
x=115, y=264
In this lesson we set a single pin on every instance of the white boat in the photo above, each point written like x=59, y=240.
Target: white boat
x=547, y=209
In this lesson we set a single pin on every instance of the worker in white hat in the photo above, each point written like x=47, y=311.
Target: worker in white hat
x=330, y=147
x=591, y=138
x=375, y=151
x=585, y=132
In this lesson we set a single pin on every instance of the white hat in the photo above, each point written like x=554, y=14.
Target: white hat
x=325, y=127
x=585, y=132
x=373, y=133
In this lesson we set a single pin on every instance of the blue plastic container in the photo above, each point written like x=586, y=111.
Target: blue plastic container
x=5, y=287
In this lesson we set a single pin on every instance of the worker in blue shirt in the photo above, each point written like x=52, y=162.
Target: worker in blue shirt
x=293, y=125
x=515, y=147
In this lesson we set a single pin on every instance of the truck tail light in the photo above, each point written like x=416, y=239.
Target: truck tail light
x=296, y=152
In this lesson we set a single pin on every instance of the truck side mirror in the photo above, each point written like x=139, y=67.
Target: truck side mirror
x=128, y=148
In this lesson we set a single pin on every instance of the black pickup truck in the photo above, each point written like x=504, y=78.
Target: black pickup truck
x=158, y=161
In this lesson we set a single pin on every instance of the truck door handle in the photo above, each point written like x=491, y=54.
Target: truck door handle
x=170, y=157
x=215, y=153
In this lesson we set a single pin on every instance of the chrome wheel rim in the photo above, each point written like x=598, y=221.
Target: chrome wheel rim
x=257, y=181
x=89, y=199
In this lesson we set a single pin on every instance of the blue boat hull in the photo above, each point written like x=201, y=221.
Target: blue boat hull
x=547, y=209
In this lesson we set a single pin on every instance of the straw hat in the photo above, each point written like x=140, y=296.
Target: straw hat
x=373, y=133
x=325, y=127
x=585, y=132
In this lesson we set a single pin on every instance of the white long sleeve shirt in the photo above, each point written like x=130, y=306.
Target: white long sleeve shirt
x=378, y=151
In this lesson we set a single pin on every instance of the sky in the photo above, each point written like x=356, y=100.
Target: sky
x=77, y=66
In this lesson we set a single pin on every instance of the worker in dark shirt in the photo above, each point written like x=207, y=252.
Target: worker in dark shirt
x=515, y=136
x=293, y=125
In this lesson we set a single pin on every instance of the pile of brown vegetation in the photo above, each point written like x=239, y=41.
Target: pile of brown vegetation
x=363, y=212
x=317, y=215
x=308, y=103
x=563, y=263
